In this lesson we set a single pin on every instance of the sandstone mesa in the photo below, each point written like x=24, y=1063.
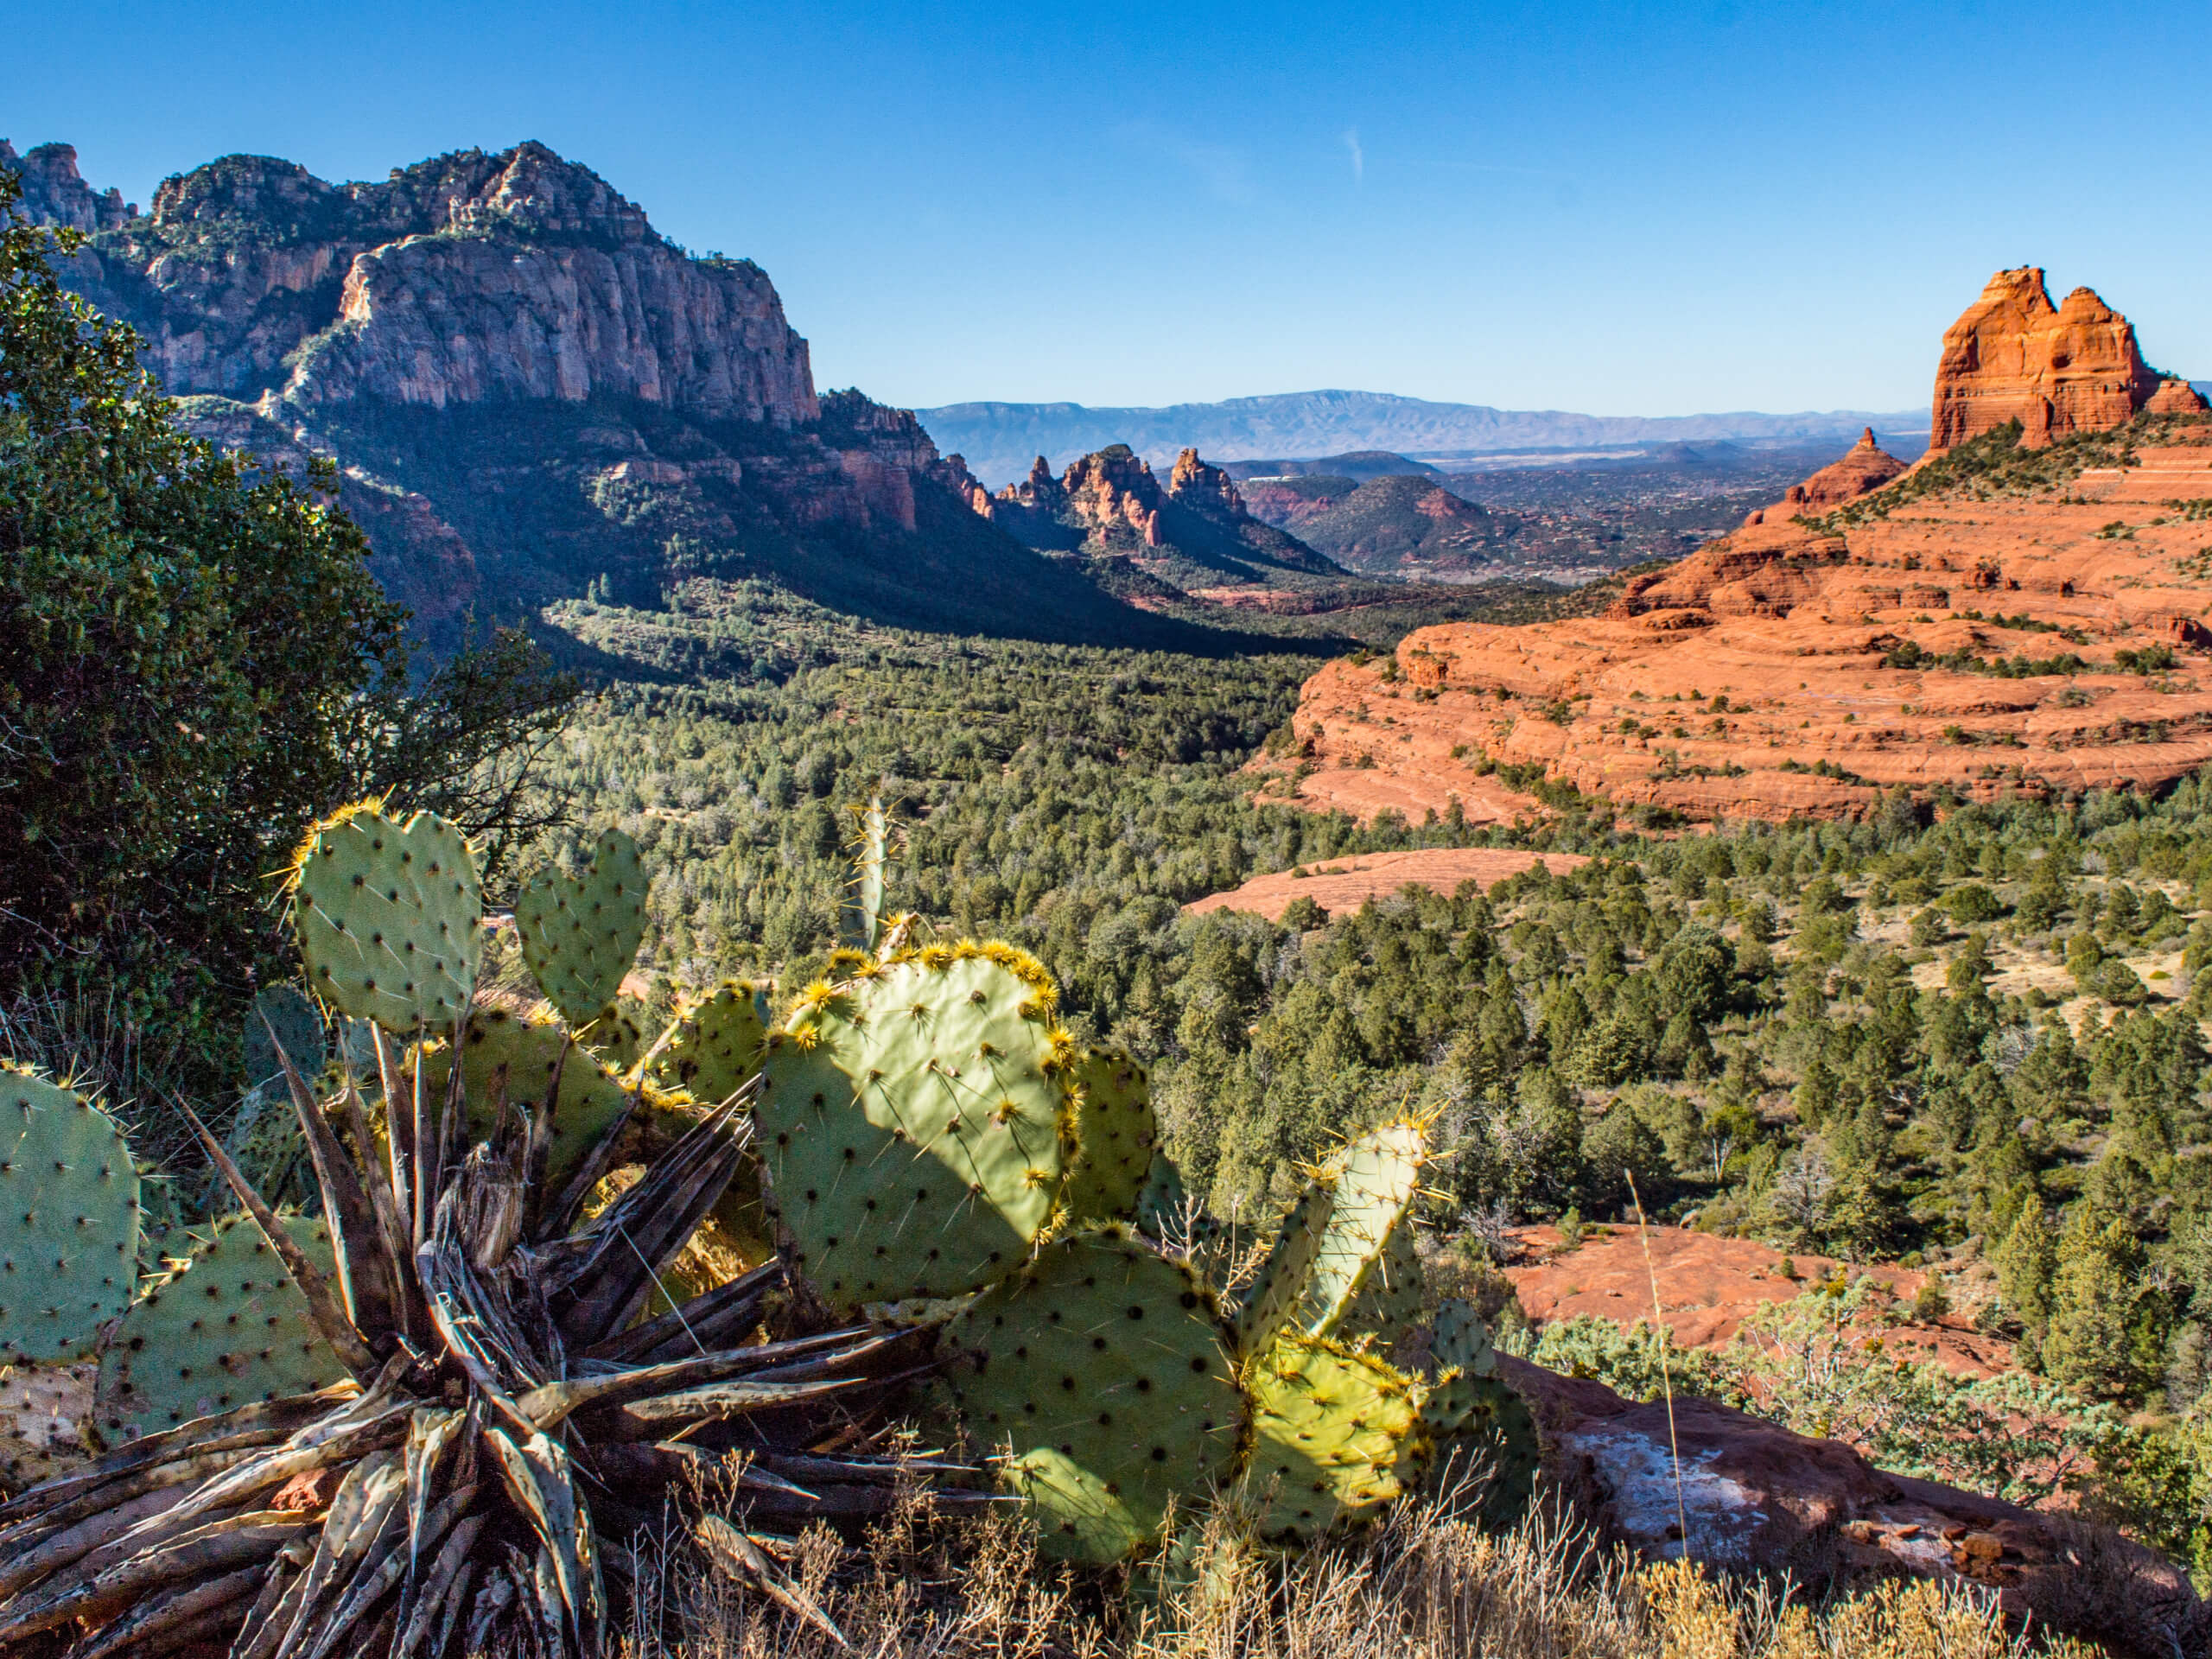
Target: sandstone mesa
x=1970, y=623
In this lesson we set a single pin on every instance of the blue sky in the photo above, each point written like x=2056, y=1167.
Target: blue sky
x=1616, y=208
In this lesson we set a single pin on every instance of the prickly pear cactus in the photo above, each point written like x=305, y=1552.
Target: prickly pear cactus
x=581, y=933
x=1377, y=1176
x=1492, y=1430
x=1388, y=1304
x=913, y=1122
x=1280, y=1285
x=1104, y=1369
x=1336, y=1435
x=716, y=1043
x=229, y=1329
x=1461, y=1340
x=1114, y=1133
x=507, y=1058
x=68, y=1219
x=298, y=1025
x=388, y=918
x=265, y=1142
x=860, y=912
x=1478, y=1421
x=1162, y=1200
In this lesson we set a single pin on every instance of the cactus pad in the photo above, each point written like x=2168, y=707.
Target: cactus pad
x=1389, y=1306
x=1162, y=1201
x=1114, y=1133
x=1490, y=1427
x=68, y=1219
x=388, y=918
x=1102, y=1368
x=298, y=1025
x=716, y=1043
x=504, y=1056
x=1461, y=1341
x=1276, y=1291
x=228, y=1329
x=581, y=933
x=912, y=1122
x=1337, y=1435
x=1377, y=1176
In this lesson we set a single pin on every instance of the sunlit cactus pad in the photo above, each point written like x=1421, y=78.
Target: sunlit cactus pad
x=912, y=1124
x=1104, y=1369
x=717, y=1044
x=1377, y=1176
x=229, y=1329
x=68, y=1219
x=1336, y=1434
x=1115, y=1136
x=388, y=918
x=580, y=933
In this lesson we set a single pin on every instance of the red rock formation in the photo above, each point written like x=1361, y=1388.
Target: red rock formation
x=1737, y=1492
x=2013, y=356
x=1783, y=670
x=55, y=193
x=2177, y=397
x=1865, y=466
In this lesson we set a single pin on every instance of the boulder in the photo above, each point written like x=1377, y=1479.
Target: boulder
x=1741, y=1494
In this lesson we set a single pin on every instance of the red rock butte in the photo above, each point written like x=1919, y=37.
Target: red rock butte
x=1972, y=623
x=2014, y=356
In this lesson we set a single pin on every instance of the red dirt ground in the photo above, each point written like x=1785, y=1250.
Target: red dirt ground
x=1346, y=884
x=1708, y=1286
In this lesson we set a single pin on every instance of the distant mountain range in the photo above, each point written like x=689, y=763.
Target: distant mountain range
x=1000, y=441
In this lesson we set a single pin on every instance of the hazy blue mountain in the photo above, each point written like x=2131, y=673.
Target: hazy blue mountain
x=1000, y=441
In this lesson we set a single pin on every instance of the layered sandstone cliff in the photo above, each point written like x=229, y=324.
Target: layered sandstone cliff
x=468, y=278
x=1974, y=624
x=1982, y=642
x=2014, y=356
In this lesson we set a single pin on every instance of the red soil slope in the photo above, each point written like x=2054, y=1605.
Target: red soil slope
x=1346, y=884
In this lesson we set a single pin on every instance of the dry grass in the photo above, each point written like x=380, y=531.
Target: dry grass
x=1422, y=1585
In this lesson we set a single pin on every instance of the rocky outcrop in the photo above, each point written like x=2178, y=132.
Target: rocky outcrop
x=465, y=279
x=1111, y=504
x=1741, y=1494
x=2177, y=397
x=530, y=392
x=2014, y=356
x=54, y=193
x=1866, y=467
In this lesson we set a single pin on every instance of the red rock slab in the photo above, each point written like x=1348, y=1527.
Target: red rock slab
x=1708, y=1286
x=1737, y=1492
x=1343, y=885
